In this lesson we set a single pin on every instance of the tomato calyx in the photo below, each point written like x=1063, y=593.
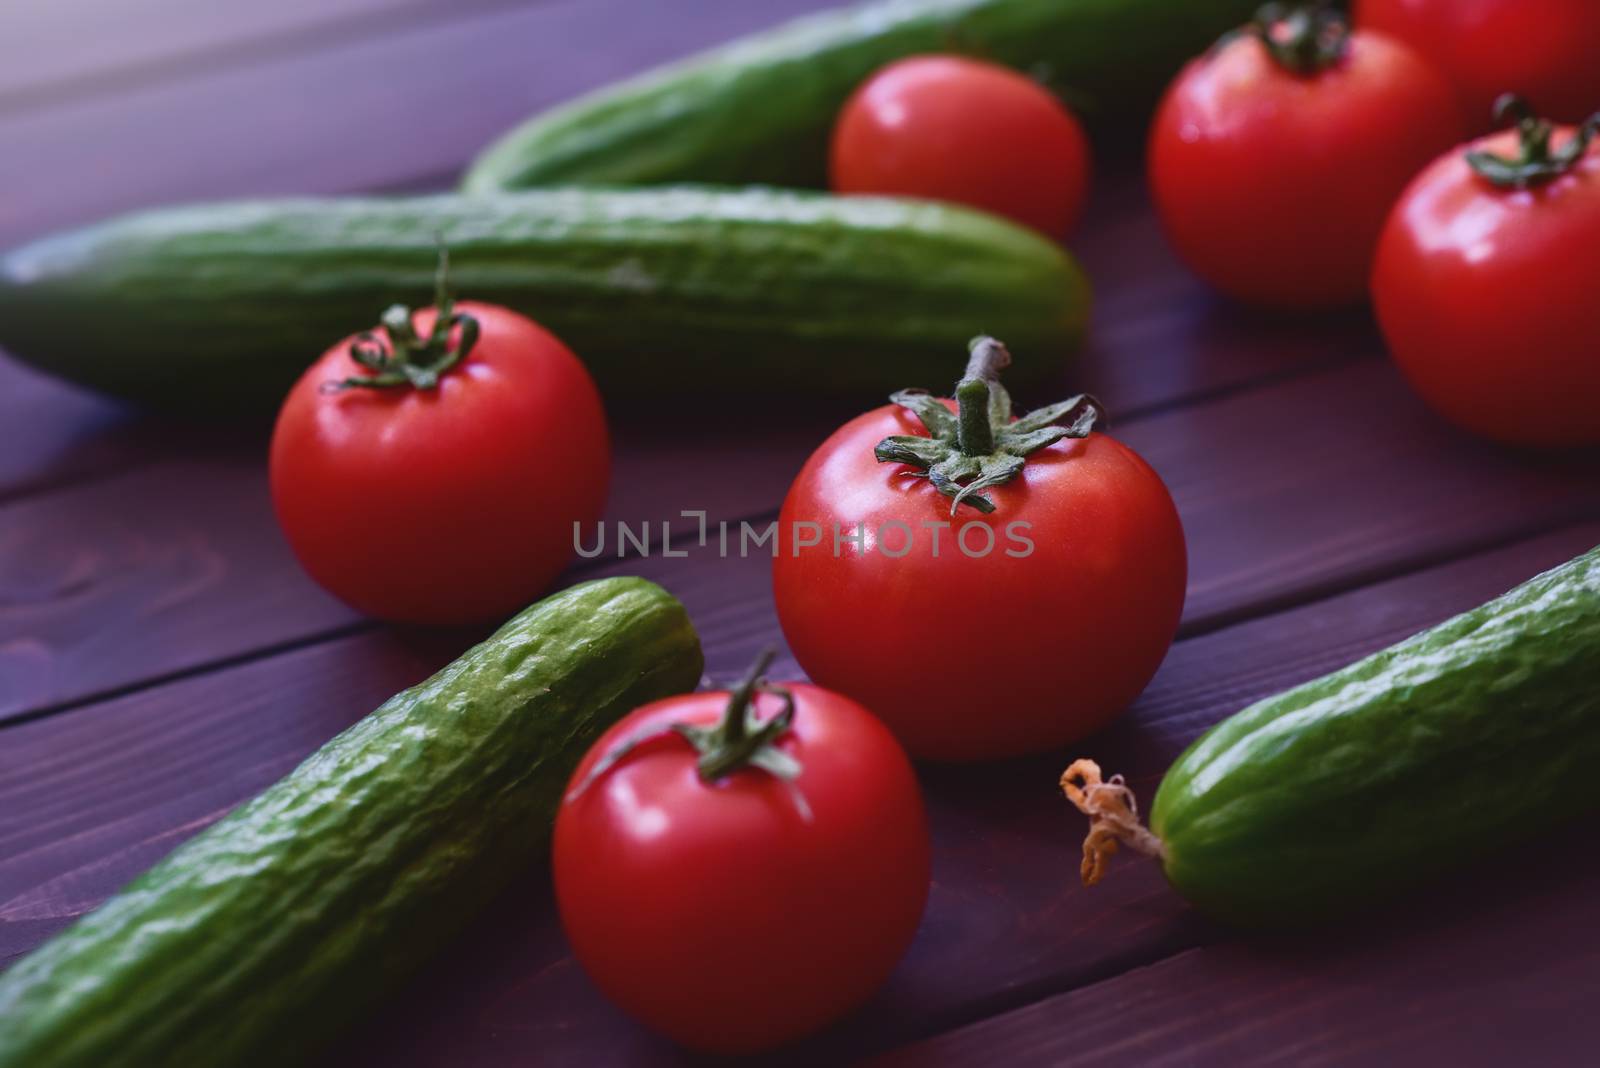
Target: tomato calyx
x=981, y=445
x=1535, y=161
x=406, y=360
x=1302, y=38
x=736, y=741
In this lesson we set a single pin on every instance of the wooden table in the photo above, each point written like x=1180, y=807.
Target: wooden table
x=162, y=658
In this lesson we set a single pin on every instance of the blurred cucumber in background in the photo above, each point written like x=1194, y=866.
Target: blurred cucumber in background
x=760, y=109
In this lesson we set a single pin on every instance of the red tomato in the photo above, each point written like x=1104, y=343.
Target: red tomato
x=1545, y=50
x=736, y=914
x=449, y=503
x=948, y=128
x=997, y=633
x=1485, y=294
x=1273, y=184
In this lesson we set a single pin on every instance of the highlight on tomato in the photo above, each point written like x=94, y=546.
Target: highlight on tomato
x=988, y=585
x=1275, y=157
x=431, y=470
x=1485, y=282
x=1546, y=51
x=736, y=870
x=960, y=130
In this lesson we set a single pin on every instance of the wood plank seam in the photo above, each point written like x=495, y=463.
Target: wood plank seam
x=1227, y=390
x=1063, y=820
x=266, y=652
x=575, y=572
x=1202, y=627
x=265, y=49
x=1381, y=573
x=44, y=487
x=73, y=480
x=1315, y=552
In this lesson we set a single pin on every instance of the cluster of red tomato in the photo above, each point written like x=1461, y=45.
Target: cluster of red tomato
x=737, y=869
x=1303, y=163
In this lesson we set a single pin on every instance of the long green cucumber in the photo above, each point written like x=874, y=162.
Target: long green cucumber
x=760, y=109
x=659, y=291
x=264, y=934
x=1411, y=761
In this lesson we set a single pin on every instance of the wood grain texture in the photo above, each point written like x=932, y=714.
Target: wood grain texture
x=1477, y=970
x=1336, y=478
x=180, y=564
x=56, y=434
x=1159, y=336
x=90, y=799
x=143, y=575
x=53, y=49
x=111, y=787
x=410, y=105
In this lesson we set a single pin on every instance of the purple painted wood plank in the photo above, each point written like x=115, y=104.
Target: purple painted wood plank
x=179, y=564
x=146, y=574
x=80, y=47
x=1159, y=334
x=1304, y=488
x=1479, y=970
x=55, y=433
x=343, y=117
x=90, y=798
x=87, y=800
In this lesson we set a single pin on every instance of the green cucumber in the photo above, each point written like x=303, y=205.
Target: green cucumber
x=660, y=291
x=1418, y=758
x=760, y=109
x=264, y=934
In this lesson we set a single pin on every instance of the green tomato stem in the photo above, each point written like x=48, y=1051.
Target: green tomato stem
x=1535, y=161
x=1302, y=38
x=407, y=360
x=981, y=445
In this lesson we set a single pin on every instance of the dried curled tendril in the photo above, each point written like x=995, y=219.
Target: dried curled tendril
x=1113, y=814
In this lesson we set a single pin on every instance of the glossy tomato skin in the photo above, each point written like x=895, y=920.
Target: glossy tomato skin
x=990, y=655
x=1548, y=51
x=1273, y=186
x=719, y=915
x=1486, y=298
x=959, y=130
x=448, y=505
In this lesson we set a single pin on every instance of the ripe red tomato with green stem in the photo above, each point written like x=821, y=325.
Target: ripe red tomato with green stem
x=960, y=130
x=1485, y=283
x=1546, y=51
x=737, y=870
x=1275, y=157
x=431, y=471
x=988, y=586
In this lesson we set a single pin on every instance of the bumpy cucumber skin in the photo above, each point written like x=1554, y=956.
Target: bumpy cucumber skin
x=1424, y=755
x=660, y=292
x=761, y=109
x=273, y=928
